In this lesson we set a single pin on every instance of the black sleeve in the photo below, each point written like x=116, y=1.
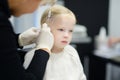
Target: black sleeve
x=38, y=64
x=17, y=37
x=11, y=67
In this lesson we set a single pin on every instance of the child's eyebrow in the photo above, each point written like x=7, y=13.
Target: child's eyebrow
x=58, y=25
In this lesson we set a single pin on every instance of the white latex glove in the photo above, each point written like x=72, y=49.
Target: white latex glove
x=29, y=36
x=45, y=39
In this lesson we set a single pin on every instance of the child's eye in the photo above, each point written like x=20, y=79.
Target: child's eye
x=70, y=30
x=61, y=29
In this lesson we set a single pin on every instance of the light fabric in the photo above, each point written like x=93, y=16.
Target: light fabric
x=61, y=66
x=64, y=66
x=28, y=58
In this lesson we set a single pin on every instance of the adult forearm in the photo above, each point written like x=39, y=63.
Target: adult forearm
x=38, y=63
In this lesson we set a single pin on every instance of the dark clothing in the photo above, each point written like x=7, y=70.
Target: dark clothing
x=10, y=63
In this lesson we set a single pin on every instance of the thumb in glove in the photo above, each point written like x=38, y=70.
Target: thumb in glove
x=45, y=39
x=28, y=37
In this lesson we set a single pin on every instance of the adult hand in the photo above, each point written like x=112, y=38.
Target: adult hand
x=113, y=41
x=45, y=39
x=29, y=36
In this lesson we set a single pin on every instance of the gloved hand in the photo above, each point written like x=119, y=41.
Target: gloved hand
x=28, y=37
x=45, y=39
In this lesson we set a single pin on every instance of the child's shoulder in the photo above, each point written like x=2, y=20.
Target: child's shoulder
x=69, y=47
x=71, y=50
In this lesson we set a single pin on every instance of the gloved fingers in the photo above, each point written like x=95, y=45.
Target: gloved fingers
x=37, y=30
x=29, y=36
x=45, y=38
x=45, y=27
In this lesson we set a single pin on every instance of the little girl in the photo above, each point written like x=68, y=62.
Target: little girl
x=64, y=62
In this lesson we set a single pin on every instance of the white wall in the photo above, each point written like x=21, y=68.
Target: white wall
x=114, y=18
x=23, y=23
x=27, y=21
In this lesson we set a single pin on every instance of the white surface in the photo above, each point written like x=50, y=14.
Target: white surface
x=81, y=40
x=80, y=31
x=107, y=53
x=80, y=34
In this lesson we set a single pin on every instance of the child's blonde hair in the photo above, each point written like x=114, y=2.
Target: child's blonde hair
x=53, y=11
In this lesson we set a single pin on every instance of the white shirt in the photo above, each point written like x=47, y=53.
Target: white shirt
x=64, y=66
x=61, y=66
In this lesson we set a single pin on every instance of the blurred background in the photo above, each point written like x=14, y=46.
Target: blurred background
x=97, y=20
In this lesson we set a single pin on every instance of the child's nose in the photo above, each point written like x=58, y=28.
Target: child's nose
x=66, y=34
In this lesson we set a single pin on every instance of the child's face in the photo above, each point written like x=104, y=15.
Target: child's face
x=62, y=28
